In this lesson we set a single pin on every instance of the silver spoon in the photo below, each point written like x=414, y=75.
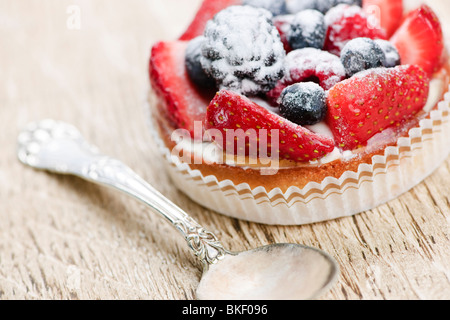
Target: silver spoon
x=274, y=272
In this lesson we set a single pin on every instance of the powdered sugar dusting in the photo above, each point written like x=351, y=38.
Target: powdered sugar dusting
x=309, y=64
x=391, y=53
x=361, y=54
x=339, y=12
x=379, y=72
x=294, y=6
x=243, y=50
x=284, y=21
x=308, y=30
x=277, y=7
x=299, y=63
x=346, y=22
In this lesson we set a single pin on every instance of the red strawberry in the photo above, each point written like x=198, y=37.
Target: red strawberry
x=309, y=64
x=207, y=11
x=419, y=39
x=230, y=111
x=388, y=12
x=374, y=100
x=346, y=23
x=183, y=102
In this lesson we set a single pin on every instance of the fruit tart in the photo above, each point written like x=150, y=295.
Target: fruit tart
x=292, y=112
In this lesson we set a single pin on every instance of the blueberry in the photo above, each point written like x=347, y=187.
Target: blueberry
x=307, y=30
x=392, y=56
x=303, y=103
x=194, y=66
x=277, y=7
x=362, y=54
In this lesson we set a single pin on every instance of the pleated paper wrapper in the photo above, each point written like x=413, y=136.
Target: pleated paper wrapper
x=402, y=167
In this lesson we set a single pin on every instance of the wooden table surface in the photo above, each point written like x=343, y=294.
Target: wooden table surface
x=85, y=62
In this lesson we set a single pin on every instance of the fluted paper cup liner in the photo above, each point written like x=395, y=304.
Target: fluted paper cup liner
x=400, y=168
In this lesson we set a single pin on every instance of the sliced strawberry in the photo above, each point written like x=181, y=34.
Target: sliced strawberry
x=419, y=39
x=184, y=104
x=207, y=11
x=389, y=13
x=371, y=101
x=229, y=111
x=346, y=23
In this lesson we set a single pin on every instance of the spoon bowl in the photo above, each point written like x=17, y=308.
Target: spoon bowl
x=274, y=272
x=297, y=273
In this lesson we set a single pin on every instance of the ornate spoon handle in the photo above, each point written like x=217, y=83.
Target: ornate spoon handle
x=59, y=147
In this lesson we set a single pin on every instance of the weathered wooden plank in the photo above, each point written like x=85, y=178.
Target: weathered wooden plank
x=62, y=238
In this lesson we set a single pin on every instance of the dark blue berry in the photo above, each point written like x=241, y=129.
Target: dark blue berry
x=277, y=7
x=307, y=30
x=390, y=51
x=362, y=54
x=303, y=103
x=194, y=66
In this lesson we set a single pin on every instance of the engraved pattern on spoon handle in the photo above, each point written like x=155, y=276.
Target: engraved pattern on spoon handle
x=70, y=154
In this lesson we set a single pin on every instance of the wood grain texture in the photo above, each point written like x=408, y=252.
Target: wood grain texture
x=63, y=238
